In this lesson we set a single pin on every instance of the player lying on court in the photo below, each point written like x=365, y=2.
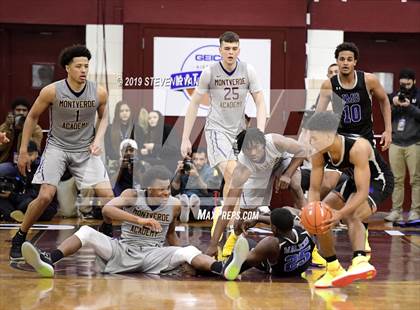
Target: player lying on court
x=370, y=182
x=287, y=253
x=148, y=220
x=263, y=161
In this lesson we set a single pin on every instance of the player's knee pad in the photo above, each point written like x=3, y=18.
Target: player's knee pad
x=186, y=254
x=85, y=234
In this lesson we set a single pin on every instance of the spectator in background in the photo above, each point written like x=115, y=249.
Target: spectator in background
x=123, y=127
x=16, y=193
x=161, y=143
x=127, y=174
x=12, y=127
x=195, y=182
x=405, y=148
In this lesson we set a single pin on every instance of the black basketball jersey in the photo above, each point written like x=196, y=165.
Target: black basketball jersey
x=378, y=167
x=356, y=117
x=294, y=256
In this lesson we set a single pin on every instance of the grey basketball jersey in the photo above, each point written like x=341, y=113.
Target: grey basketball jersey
x=228, y=92
x=261, y=172
x=72, y=117
x=139, y=235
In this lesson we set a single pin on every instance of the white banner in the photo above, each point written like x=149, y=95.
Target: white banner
x=183, y=59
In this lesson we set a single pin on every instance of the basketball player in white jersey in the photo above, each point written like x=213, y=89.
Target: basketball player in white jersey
x=72, y=144
x=227, y=83
x=263, y=159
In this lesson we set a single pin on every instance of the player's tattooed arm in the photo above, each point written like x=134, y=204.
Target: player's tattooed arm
x=171, y=236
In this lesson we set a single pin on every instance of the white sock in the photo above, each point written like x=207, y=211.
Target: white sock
x=185, y=208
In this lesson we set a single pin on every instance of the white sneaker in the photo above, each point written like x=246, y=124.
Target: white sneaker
x=185, y=208
x=413, y=215
x=394, y=216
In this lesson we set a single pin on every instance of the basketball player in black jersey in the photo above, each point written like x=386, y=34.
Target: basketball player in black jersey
x=287, y=253
x=350, y=92
x=370, y=182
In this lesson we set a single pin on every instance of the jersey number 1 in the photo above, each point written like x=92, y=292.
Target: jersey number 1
x=77, y=115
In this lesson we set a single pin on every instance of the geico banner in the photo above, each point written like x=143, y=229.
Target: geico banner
x=178, y=63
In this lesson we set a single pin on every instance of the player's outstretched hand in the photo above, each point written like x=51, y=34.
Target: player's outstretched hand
x=150, y=223
x=185, y=147
x=386, y=140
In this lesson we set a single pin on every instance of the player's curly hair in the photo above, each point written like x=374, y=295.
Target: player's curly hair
x=249, y=137
x=323, y=121
x=282, y=219
x=158, y=172
x=67, y=54
x=347, y=46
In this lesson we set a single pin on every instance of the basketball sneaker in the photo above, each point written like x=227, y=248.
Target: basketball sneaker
x=334, y=270
x=232, y=267
x=394, y=216
x=15, y=250
x=368, y=249
x=317, y=259
x=39, y=260
x=413, y=216
x=360, y=269
x=17, y=215
x=229, y=244
x=107, y=229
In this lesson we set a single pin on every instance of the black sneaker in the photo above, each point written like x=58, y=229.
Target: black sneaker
x=15, y=250
x=39, y=260
x=232, y=267
x=106, y=229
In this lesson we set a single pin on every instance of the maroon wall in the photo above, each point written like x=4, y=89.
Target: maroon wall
x=366, y=15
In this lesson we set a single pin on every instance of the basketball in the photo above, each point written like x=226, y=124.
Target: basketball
x=312, y=216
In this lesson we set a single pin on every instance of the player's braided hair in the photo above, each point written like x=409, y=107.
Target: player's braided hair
x=248, y=138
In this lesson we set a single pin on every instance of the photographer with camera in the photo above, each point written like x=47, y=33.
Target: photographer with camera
x=126, y=172
x=405, y=148
x=12, y=128
x=17, y=192
x=194, y=182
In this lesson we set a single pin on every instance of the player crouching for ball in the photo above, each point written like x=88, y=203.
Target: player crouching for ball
x=370, y=182
x=148, y=220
